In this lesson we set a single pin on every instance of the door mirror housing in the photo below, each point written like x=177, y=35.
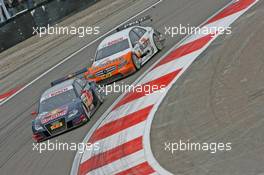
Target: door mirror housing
x=34, y=113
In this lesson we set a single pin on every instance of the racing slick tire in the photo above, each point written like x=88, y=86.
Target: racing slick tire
x=136, y=62
x=157, y=42
x=99, y=97
x=87, y=114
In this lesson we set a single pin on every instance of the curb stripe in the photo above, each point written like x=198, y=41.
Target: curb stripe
x=120, y=124
x=120, y=164
x=111, y=155
x=130, y=107
x=143, y=168
x=186, y=49
x=9, y=93
x=236, y=7
x=115, y=140
x=159, y=82
x=170, y=66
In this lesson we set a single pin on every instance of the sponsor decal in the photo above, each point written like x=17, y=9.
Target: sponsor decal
x=115, y=41
x=54, y=114
x=55, y=93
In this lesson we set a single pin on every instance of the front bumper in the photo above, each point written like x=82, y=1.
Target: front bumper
x=115, y=75
x=45, y=134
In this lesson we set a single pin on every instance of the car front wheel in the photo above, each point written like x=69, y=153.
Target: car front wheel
x=136, y=62
x=157, y=42
x=87, y=114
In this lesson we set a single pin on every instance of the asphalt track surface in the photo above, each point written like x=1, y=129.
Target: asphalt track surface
x=17, y=156
x=218, y=99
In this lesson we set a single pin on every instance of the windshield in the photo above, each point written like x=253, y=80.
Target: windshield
x=112, y=49
x=57, y=101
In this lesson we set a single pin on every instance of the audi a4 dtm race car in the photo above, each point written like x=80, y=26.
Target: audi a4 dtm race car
x=124, y=52
x=64, y=106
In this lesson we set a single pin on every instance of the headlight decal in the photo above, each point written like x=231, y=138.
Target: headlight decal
x=73, y=113
x=38, y=126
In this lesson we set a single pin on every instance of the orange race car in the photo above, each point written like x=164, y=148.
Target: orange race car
x=124, y=52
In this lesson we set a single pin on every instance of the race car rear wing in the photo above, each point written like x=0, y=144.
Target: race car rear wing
x=70, y=76
x=134, y=23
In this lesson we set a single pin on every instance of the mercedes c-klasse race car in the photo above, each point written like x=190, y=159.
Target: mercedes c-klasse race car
x=124, y=52
x=64, y=106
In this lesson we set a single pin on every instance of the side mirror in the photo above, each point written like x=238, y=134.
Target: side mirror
x=34, y=113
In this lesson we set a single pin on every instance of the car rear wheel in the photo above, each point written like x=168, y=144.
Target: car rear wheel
x=99, y=97
x=87, y=114
x=136, y=62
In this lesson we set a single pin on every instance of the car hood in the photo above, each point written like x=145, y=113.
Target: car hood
x=46, y=117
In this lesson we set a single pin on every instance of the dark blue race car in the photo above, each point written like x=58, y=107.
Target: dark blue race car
x=65, y=106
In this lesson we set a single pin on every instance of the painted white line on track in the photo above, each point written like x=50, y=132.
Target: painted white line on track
x=76, y=52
